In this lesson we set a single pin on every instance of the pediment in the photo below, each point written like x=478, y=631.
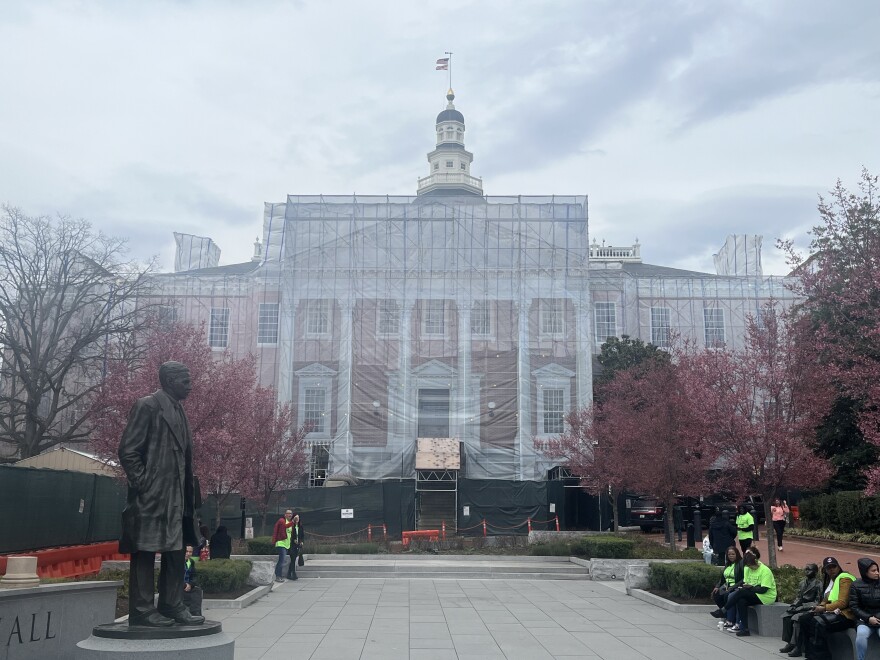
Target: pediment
x=315, y=369
x=434, y=369
x=553, y=370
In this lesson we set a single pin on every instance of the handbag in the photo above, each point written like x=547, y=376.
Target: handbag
x=300, y=561
x=832, y=622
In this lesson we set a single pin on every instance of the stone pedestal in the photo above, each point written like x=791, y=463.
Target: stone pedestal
x=119, y=641
x=47, y=621
x=20, y=572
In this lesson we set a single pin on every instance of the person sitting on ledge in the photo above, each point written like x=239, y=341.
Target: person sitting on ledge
x=732, y=575
x=757, y=588
x=864, y=599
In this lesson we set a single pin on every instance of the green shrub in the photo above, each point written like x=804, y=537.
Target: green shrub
x=551, y=549
x=222, y=575
x=827, y=534
x=845, y=512
x=685, y=581
x=788, y=578
x=261, y=545
x=603, y=547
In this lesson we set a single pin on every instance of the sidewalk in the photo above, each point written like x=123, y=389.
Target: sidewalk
x=473, y=619
x=798, y=551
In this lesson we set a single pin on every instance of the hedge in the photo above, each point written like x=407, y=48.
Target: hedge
x=261, y=545
x=827, y=534
x=222, y=575
x=845, y=512
x=603, y=547
x=693, y=581
x=687, y=581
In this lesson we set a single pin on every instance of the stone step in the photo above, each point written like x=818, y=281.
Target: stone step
x=458, y=568
x=438, y=575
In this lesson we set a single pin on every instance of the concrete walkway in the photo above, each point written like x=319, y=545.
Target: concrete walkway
x=448, y=619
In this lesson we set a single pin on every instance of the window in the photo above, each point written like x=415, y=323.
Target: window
x=267, y=324
x=554, y=410
x=218, y=330
x=318, y=317
x=551, y=316
x=434, y=321
x=450, y=163
x=458, y=134
x=606, y=321
x=713, y=322
x=389, y=317
x=167, y=316
x=436, y=166
x=660, y=327
x=463, y=166
x=314, y=408
x=480, y=319
x=448, y=133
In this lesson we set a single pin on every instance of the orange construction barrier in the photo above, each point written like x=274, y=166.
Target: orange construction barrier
x=71, y=561
x=429, y=534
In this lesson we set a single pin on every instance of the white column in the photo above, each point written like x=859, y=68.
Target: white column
x=343, y=390
x=286, y=326
x=524, y=386
x=403, y=392
x=465, y=404
x=584, y=334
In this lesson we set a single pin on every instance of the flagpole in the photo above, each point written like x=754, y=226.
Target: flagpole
x=450, y=68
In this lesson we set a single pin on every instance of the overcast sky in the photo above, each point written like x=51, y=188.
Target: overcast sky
x=683, y=121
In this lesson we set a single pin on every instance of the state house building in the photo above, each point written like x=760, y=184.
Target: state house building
x=446, y=314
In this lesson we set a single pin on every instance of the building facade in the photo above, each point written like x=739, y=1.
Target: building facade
x=448, y=314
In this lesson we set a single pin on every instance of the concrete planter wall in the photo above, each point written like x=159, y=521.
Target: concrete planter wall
x=49, y=620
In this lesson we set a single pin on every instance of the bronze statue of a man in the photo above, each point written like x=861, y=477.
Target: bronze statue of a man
x=156, y=454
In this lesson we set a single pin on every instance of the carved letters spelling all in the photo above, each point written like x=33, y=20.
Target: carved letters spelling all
x=36, y=633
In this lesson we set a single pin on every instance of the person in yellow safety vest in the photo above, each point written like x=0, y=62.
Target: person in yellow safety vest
x=192, y=593
x=281, y=534
x=745, y=525
x=758, y=587
x=833, y=609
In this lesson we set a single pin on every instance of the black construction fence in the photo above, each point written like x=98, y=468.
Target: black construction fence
x=42, y=508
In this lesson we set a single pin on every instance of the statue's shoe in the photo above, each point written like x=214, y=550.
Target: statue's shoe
x=153, y=620
x=184, y=618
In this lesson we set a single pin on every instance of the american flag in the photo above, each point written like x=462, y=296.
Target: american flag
x=442, y=63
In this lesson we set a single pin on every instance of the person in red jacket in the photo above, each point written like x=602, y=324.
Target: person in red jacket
x=281, y=534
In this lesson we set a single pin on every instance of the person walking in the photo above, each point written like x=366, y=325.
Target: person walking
x=745, y=525
x=864, y=599
x=281, y=537
x=296, y=541
x=779, y=513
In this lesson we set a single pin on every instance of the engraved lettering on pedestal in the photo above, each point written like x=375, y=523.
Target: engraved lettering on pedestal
x=33, y=625
x=16, y=630
x=49, y=623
